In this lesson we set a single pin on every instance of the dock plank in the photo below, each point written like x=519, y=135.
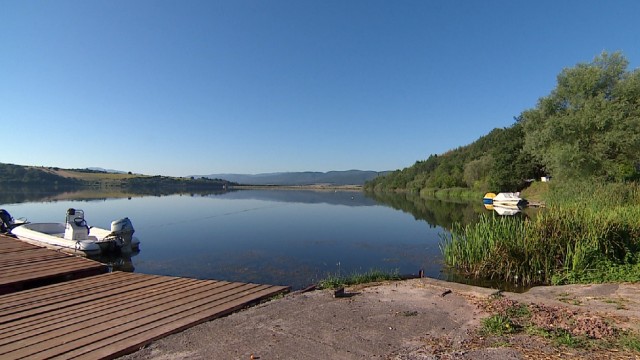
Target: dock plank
x=74, y=333
x=130, y=302
x=117, y=332
x=12, y=299
x=45, y=305
x=128, y=342
x=72, y=308
x=24, y=265
x=40, y=325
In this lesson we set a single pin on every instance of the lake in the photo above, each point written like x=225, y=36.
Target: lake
x=280, y=237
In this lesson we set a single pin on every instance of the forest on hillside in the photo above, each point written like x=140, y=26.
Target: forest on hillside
x=587, y=127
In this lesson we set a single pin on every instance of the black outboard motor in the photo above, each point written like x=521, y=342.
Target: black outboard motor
x=6, y=221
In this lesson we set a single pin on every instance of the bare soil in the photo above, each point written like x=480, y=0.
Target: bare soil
x=415, y=319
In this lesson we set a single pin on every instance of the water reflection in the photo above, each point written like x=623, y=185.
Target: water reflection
x=20, y=194
x=442, y=213
x=331, y=197
x=502, y=210
x=282, y=237
x=117, y=262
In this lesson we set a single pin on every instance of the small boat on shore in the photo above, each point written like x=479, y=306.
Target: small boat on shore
x=75, y=236
x=509, y=200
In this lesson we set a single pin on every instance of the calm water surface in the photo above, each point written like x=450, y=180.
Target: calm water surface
x=278, y=237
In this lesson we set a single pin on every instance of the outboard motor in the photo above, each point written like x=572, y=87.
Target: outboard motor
x=123, y=229
x=76, y=227
x=6, y=221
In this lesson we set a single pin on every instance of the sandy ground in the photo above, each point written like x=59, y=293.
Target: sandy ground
x=411, y=319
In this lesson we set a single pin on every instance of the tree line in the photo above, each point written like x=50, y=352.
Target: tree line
x=588, y=127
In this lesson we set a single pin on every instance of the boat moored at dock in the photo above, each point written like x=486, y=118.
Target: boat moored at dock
x=509, y=200
x=75, y=236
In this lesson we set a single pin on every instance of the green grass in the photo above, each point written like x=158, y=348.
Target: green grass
x=520, y=311
x=276, y=297
x=517, y=318
x=536, y=192
x=588, y=233
x=497, y=325
x=629, y=340
x=606, y=272
x=619, y=302
x=337, y=281
x=563, y=337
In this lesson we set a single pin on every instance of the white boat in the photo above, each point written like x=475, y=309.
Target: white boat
x=76, y=237
x=509, y=200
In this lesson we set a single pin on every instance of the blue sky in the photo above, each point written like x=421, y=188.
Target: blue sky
x=199, y=87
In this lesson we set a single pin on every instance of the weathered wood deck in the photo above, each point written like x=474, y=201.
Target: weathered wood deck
x=23, y=266
x=107, y=315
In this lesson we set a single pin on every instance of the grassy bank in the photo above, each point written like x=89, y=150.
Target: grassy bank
x=336, y=281
x=588, y=233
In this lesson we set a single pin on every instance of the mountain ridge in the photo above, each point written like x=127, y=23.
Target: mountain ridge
x=346, y=177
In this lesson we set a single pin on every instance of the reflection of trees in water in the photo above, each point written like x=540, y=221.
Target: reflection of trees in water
x=305, y=196
x=436, y=212
x=22, y=194
x=444, y=213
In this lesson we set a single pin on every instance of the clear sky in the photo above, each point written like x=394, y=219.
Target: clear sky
x=200, y=87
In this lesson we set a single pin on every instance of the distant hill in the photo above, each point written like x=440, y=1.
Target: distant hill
x=349, y=177
x=19, y=176
x=11, y=174
x=111, y=171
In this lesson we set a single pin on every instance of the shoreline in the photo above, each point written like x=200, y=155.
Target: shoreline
x=318, y=187
x=408, y=319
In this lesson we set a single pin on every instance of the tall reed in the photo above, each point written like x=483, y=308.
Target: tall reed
x=487, y=248
x=585, y=228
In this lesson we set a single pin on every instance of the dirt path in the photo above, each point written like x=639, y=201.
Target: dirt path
x=412, y=319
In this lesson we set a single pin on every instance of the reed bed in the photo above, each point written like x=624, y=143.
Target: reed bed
x=585, y=230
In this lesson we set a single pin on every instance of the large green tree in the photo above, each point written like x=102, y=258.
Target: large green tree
x=512, y=165
x=589, y=126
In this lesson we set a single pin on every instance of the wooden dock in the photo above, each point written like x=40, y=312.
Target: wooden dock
x=109, y=315
x=24, y=266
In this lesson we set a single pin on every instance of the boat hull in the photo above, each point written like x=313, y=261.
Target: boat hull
x=509, y=200
x=52, y=235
